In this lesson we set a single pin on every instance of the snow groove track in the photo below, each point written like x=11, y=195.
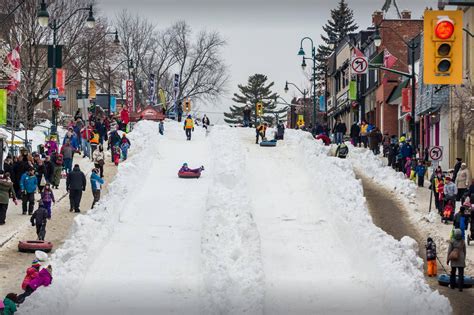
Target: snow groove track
x=230, y=241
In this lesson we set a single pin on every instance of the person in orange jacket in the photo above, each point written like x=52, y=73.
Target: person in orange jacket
x=188, y=126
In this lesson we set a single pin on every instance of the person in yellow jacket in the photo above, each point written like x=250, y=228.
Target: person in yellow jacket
x=188, y=126
x=260, y=131
x=94, y=140
x=364, y=133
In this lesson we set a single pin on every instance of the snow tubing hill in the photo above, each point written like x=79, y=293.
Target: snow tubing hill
x=266, y=143
x=32, y=246
x=189, y=175
x=444, y=281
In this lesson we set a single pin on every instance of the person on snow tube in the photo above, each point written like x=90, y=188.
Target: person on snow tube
x=185, y=169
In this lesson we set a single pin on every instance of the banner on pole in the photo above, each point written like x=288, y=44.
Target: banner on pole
x=61, y=81
x=406, y=100
x=163, y=98
x=322, y=103
x=353, y=90
x=92, y=89
x=113, y=104
x=130, y=93
x=3, y=106
x=152, y=90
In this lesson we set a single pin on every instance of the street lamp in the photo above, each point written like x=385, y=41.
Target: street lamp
x=304, y=92
x=43, y=20
x=301, y=52
x=411, y=45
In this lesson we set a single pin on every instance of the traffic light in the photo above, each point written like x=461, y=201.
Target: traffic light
x=443, y=47
x=259, y=109
x=187, y=105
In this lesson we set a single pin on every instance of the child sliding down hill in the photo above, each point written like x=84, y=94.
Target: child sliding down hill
x=185, y=168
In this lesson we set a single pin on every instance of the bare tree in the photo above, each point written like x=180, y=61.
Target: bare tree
x=462, y=108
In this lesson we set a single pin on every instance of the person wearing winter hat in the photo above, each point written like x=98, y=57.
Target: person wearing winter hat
x=39, y=218
x=457, y=258
x=96, y=183
x=9, y=304
x=450, y=190
x=430, y=246
x=31, y=273
x=44, y=279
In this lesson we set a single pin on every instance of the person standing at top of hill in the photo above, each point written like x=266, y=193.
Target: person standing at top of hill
x=188, y=126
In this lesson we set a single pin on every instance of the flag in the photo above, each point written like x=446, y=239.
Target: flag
x=358, y=53
x=3, y=106
x=92, y=89
x=388, y=59
x=152, y=89
x=163, y=98
x=14, y=61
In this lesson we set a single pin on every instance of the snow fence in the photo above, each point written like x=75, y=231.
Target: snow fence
x=232, y=266
x=403, y=289
x=90, y=231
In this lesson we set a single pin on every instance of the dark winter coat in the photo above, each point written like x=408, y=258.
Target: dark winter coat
x=430, y=250
x=457, y=167
x=10, y=307
x=458, y=243
x=8, y=168
x=6, y=191
x=355, y=131
x=114, y=138
x=67, y=151
x=40, y=171
x=340, y=127
x=76, y=180
x=39, y=217
x=49, y=170
x=406, y=150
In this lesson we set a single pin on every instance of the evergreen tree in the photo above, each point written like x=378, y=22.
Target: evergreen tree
x=256, y=90
x=339, y=26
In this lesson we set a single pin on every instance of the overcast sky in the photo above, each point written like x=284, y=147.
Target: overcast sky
x=263, y=36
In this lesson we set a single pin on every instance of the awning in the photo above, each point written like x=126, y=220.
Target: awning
x=395, y=97
x=377, y=61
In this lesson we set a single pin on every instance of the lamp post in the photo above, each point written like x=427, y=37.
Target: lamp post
x=304, y=92
x=110, y=71
x=43, y=21
x=411, y=45
x=303, y=65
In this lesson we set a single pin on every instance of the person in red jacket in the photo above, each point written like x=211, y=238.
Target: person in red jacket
x=31, y=273
x=124, y=117
x=44, y=278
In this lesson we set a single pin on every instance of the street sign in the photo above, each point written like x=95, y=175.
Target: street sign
x=53, y=91
x=436, y=153
x=52, y=97
x=360, y=65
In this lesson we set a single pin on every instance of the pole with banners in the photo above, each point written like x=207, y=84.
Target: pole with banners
x=152, y=90
x=176, y=92
x=130, y=92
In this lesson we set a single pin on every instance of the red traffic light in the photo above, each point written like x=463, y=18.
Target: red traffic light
x=444, y=29
x=56, y=103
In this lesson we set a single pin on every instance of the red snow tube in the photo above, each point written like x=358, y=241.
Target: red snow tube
x=189, y=174
x=32, y=246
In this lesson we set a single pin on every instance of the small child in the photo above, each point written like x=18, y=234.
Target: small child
x=47, y=197
x=116, y=154
x=31, y=273
x=420, y=171
x=39, y=218
x=432, y=269
x=9, y=304
x=124, y=147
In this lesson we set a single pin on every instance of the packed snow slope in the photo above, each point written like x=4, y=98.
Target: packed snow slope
x=281, y=230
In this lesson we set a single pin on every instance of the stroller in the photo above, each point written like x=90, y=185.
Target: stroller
x=448, y=212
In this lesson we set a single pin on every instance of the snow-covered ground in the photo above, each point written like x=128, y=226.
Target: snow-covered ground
x=280, y=230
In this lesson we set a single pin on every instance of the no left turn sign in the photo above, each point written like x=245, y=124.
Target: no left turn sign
x=359, y=65
x=436, y=153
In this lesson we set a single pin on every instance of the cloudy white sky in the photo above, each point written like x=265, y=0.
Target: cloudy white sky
x=263, y=36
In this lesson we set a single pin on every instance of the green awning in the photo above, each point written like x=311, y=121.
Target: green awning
x=395, y=97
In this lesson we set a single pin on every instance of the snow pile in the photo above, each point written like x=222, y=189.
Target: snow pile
x=373, y=167
x=91, y=231
x=400, y=286
x=234, y=281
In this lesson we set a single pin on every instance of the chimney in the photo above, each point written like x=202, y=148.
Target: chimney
x=406, y=15
x=377, y=17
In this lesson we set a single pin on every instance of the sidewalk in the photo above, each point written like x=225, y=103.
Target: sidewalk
x=13, y=264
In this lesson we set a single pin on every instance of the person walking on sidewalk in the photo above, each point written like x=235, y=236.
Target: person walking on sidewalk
x=6, y=192
x=99, y=159
x=463, y=180
x=75, y=185
x=340, y=130
x=28, y=186
x=96, y=183
x=457, y=167
x=188, y=127
x=124, y=146
x=67, y=152
x=432, y=269
x=457, y=258
x=355, y=134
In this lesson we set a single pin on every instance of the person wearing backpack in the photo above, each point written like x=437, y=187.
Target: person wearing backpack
x=457, y=257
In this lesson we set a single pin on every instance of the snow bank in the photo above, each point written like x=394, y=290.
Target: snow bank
x=396, y=265
x=91, y=231
x=373, y=167
x=234, y=281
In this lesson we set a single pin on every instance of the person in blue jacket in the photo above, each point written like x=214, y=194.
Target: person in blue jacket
x=420, y=171
x=28, y=185
x=96, y=183
x=406, y=151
